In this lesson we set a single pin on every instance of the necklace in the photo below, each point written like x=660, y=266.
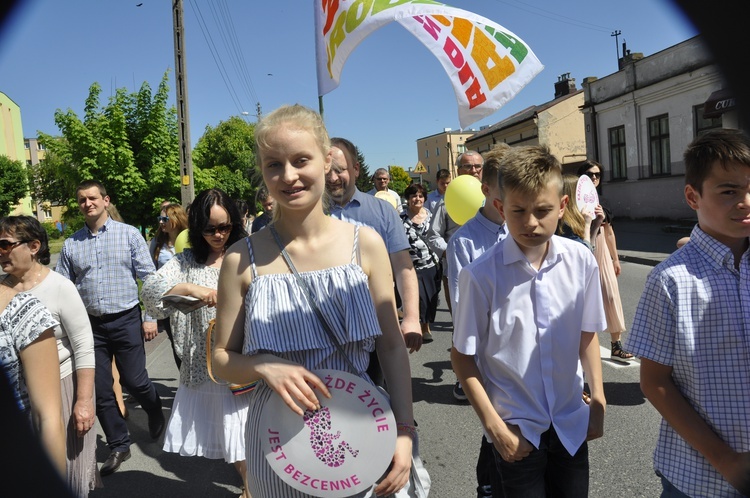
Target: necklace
x=24, y=285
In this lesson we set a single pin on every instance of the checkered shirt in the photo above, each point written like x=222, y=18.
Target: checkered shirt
x=105, y=266
x=693, y=316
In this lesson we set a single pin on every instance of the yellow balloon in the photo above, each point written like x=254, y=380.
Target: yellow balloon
x=463, y=198
x=181, y=242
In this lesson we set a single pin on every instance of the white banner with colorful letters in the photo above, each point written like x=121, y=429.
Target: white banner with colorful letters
x=487, y=64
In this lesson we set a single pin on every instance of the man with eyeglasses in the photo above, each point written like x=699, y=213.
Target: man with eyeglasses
x=104, y=259
x=381, y=179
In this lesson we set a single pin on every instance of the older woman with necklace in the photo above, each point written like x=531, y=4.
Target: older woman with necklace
x=25, y=265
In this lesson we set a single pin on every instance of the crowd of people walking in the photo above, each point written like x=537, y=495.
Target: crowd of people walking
x=261, y=308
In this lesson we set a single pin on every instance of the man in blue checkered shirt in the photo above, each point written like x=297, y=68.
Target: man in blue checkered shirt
x=104, y=259
x=691, y=330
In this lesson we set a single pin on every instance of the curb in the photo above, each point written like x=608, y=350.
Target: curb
x=640, y=260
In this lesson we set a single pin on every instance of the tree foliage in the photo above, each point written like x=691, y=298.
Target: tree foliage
x=130, y=145
x=364, y=182
x=13, y=184
x=400, y=179
x=225, y=159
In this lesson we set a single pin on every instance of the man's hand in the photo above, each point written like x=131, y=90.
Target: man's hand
x=150, y=330
x=412, y=333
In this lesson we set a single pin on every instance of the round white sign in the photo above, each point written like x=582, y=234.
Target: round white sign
x=586, y=196
x=337, y=451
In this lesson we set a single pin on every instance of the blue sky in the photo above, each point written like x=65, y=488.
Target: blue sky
x=392, y=91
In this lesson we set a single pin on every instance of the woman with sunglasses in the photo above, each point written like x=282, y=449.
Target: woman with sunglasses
x=207, y=419
x=605, y=251
x=24, y=254
x=172, y=220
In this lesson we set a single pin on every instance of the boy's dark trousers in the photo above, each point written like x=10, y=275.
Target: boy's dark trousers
x=549, y=471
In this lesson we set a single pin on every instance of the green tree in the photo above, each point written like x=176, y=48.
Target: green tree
x=13, y=184
x=364, y=182
x=400, y=179
x=130, y=146
x=225, y=157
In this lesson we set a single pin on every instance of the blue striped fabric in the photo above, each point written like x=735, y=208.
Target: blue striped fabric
x=279, y=320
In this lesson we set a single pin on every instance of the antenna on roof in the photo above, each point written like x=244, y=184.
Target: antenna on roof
x=616, y=33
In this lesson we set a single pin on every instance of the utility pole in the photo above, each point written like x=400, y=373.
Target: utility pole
x=187, y=186
x=616, y=33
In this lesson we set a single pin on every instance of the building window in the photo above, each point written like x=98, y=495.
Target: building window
x=437, y=151
x=617, y=153
x=460, y=148
x=40, y=146
x=658, y=138
x=703, y=124
x=426, y=153
x=25, y=144
x=47, y=214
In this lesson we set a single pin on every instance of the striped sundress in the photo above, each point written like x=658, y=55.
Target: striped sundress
x=279, y=320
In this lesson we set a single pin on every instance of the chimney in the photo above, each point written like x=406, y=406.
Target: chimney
x=627, y=57
x=565, y=85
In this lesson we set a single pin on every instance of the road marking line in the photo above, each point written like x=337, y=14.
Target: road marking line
x=606, y=353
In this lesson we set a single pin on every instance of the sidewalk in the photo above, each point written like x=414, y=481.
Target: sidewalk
x=151, y=471
x=648, y=242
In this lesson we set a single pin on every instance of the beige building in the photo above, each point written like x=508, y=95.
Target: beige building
x=439, y=151
x=557, y=124
x=640, y=119
x=44, y=211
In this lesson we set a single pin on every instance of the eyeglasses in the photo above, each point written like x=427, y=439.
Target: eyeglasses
x=6, y=246
x=591, y=174
x=162, y=219
x=222, y=229
x=477, y=167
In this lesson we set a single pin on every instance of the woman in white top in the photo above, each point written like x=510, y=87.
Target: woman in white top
x=207, y=419
x=26, y=270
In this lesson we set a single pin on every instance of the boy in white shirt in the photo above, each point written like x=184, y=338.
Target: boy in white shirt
x=525, y=334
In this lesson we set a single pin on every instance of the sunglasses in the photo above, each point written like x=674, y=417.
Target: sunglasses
x=222, y=229
x=591, y=174
x=162, y=219
x=6, y=246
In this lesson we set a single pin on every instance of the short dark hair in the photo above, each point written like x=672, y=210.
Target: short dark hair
x=723, y=145
x=261, y=195
x=346, y=146
x=442, y=174
x=242, y=206
x=200, y=212
x=28, y=228
x=87, y=184
x=415, y=188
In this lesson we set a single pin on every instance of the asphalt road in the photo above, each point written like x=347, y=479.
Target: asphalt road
x=449, y=431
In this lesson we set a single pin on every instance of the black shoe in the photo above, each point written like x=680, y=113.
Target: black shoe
x=156, y=424
x=113, y=462
x=458, y=392
x=427, y=337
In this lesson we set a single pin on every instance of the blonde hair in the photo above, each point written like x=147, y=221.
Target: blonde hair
x=572, y=216
x=493, y=159
x=529, y=170
x=296, y=117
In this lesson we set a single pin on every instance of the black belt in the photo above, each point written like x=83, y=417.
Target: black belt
x=113, y=316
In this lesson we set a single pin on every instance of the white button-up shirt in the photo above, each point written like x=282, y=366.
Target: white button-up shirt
x=523, y=327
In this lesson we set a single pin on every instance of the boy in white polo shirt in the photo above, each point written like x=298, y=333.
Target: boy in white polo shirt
x=525, y=334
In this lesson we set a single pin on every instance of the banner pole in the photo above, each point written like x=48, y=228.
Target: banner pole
x=320, y=107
